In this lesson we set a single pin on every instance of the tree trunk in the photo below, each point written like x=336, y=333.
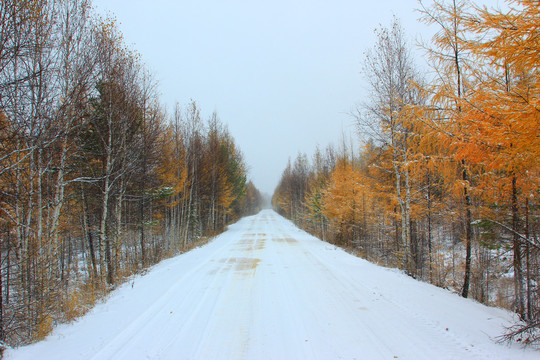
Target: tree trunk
x=430, y=266
x=2, y=335
x=118, y=232
x=528, y=250
x=142, y=237
x=468, y=233
x=411, y=265
x=58, y=201
x=518, y=270
x=88, y=230
x=103, y=238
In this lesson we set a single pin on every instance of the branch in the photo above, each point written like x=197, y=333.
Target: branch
x=530, y=331
x=526, y=240
x=84, y=179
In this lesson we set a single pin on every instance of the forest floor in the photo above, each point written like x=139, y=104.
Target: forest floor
x=267, y=290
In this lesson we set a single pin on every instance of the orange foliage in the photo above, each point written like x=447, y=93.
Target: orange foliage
x=344, y=197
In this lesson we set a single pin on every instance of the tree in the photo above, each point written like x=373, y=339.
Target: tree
x=390, y=73
x=94, y=184
x=289, y=196
x=344, y=200
x=449, y=96
x=503, y=118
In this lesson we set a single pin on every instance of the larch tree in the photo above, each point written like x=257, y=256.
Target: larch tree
x=344, y=199
x=504, y=121
x=448, y=96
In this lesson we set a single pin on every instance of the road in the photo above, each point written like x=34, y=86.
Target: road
x=267, y=290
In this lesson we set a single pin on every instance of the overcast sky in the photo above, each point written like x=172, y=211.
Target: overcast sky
x=282, y=74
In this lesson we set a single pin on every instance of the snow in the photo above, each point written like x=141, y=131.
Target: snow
x=267, y=290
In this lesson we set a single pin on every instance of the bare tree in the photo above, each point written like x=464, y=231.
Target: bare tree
x=390, y=73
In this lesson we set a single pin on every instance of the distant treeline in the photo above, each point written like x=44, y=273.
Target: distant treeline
x=96, y=181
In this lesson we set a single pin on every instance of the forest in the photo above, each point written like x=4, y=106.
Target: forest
x=97, y=181
x=445, y=184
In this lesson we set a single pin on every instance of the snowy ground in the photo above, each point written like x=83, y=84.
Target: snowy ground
x=267, y=290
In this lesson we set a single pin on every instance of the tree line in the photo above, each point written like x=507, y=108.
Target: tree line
x=97, y=181
x=446, y=183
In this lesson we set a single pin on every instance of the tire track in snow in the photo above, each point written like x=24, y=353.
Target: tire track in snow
x=114, y=347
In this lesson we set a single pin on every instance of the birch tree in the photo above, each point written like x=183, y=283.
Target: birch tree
x=390, y=73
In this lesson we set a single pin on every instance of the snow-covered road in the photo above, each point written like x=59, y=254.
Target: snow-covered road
x=267, y=290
